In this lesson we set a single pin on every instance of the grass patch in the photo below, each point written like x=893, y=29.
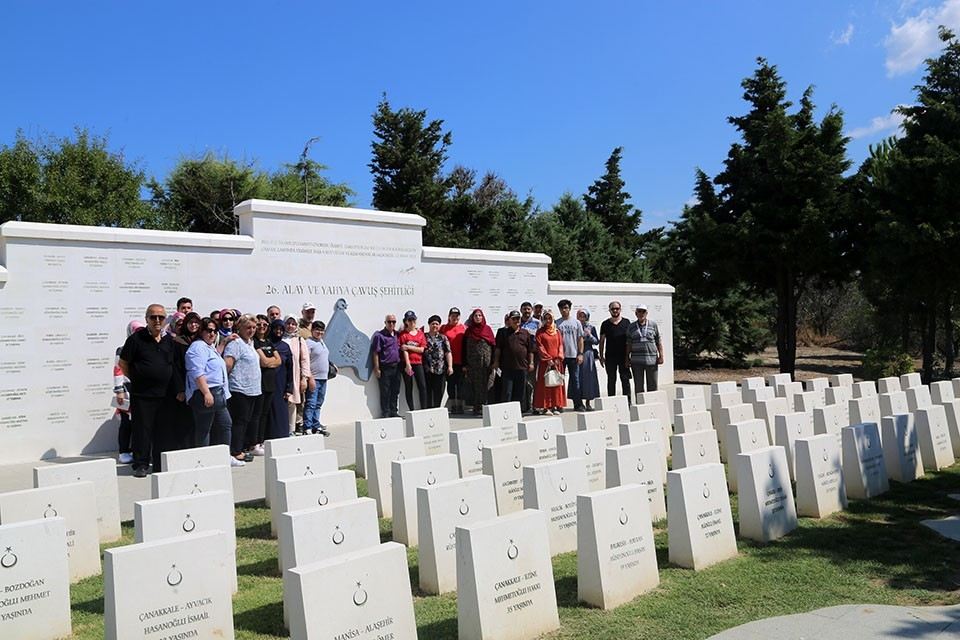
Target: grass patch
x=875, y=552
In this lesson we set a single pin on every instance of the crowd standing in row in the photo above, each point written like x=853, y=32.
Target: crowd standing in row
x=239, y=379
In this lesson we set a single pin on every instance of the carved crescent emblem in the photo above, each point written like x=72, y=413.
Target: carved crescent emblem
x=587, y=450
x=323, y=499
x=188, y=524
x=360, y=596
x=196, y=489
x=383, y=434
x=624, y=518
x=308, y=471
x=9, y=559
x=49, y=512
x=400, y=455
x=770, y=470
x=702, y=451
x=337, y=536
x=640, y=465
x=753, y=437
x=506, y=415
x=825, y=456
x=431, y=479
x=299, y=450
x=646, y=437
x=869, y=441
x=516, y=462
x=464, y=507
x=431, y=424
x=479, y=445
x=512, y=551
x=174, y=578
x=563, y=485
x=546, y=435
x=199, y=464
x=706, y=491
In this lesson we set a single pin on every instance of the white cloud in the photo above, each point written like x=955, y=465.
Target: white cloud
x=910, y=43
x=889, y=123
x=844, y=37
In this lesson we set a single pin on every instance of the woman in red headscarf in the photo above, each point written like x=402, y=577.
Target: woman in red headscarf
x=478, y=343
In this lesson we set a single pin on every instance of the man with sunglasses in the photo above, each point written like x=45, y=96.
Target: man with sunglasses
x=613, y=350
x=386, y=366
x=147, y=360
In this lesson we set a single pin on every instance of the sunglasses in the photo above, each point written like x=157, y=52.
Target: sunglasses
x=391, y=322
x=210, y=329
x=157, y=318
x=227, y=319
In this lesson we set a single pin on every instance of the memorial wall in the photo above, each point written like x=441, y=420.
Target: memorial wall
x=68, y=292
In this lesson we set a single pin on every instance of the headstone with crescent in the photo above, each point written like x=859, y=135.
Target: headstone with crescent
x=724, y=386
x=918, y=397
x=603, y=420
x=934, y=436
x=167, y=484
x=864, y=389
x=505, y=586
x=820, y=487
x=103, y=474
x=910, y=380
x=314, y=492
x=890, y=384
x=616, y=555
x=841, y=380
x=693, y=421
x=830, y=419
x=766, y=506
x=379, y=475
x=689, y=405
x=552, y=487
x=840, y=396
x=300, y=465
x=468, y=444
x=195, y=458
x=406, y=476
x=544, y=431
x=349, y=347
x=590, y=446
x=188, y=516
x=441, y=508
x=35, y=580
x=77, y=505
x=289, y=447
x=786, y=429
x=643, y=432
x=743, y=437
x=655, y=411
x=374, y=430
x=951, y=409
x=733, y=414
x=504, y=463
x=807, y=401
x=619, y=404
x=699, y=525
x=768, y=410
x=864, y=410
x=168, y=587
x=901, y=447
x=506, y=416
x=692, y=449
x=433, y=425
x=363, y=594
x=643, y=465
x=720, y=400
x=864, y=471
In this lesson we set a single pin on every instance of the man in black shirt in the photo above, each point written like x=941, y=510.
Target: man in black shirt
x=147, y=359
x=513, y=355
x=613, y=336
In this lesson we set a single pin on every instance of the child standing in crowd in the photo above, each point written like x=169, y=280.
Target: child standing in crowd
x=121, y=402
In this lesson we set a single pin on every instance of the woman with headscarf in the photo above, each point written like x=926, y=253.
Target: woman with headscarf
x=225, y=333
x=269, y=361
x=589, y=384
x=174, y=323
x=302, y=378
x=279, y=422
x=478, y=343
x=121, y=402
x=190, y=328
x=550, y=400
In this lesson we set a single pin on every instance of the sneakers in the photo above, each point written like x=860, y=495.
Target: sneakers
x=233, y=463
x=258, y=450
x=125, y=458
x=140, y=472
x=248, y=457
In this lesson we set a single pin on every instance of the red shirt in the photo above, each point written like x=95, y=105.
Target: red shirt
x=454, y=334
x=418, y=340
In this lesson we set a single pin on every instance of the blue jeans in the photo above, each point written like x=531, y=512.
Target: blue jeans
x=204, y=419
x=311, y=408
x=573, y=383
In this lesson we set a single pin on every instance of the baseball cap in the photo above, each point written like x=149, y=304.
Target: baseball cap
x=409, y=315
x=641, y=307
x=514, y=314
x=453, y=310
x=538, y=304
x=309, y=305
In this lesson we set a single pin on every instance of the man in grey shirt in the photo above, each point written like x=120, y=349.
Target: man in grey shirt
x=572, y=333
x=644, y=351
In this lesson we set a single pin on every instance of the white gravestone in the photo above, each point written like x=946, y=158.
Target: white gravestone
x=863, y=410
x=807, y=401
x=552, y=487
x=910, y=380
x=34, y=580
x=468, y=446
x=504, y=463
x=787, y=429
x=692, y=449
x=314, y=535
x=941, y=392
x=918, y=398
x=690, y=422
x=433, y=425
x=505, y=588
x=830, y=420
x=103, y=474
x=720, y=400
x=620, y=405
x=505, y=416
x=639, y=464
x=890, y=384
x=407, y=475
x=363, y=595
x=699, y=524
x=658, y=412
x=171, y=588
x=682, y=392
x=311, y=492
x=168, y=484
x=544, y=432
x=817, y=384
x=766, y=507
x=893, y=404
x=605, y=421
x=727, y=386
x=758, y=394
x=441, y=508
x=616, y=556
x=936, y=450
x=380, y=456
x=689, y=405
x=755, y=382
x=183, y=459
x=768, y=410
x=276, y=447
x=789, y=391
x=956, y=386
x=743, y=437
x=189, y=516
x=952, y=411
x=820, y=487
x=590, y=446
x=864, y=473
x=733, y=415
x=841, y=397
x=778, y=379
x=645, y=432
x=300, y=465
x=660, y=397
x=865, y=389
x=374, y=430
x=76, y=504
x=901, y=448
x=842, y=380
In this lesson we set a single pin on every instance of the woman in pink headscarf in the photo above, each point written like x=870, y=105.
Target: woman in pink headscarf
x=478, y=343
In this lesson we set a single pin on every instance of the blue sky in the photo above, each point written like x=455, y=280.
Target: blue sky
x=538, y=92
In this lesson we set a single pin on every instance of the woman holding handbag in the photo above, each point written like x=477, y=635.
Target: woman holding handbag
x=549, y=395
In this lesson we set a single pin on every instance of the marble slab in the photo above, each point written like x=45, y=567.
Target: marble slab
x=640, y=464
x=787, y=428
x=552, y=487
x=407, y=475
x=768, y=410
x=820, y=487
x=720, y=400
x=544, y=431
x=300, y=465
x=840, y=396
x=864, y=389
x=766, y=507
x=951, y=410
x=505, y=416
x=918, y=397
x=778, y=379
x=807, y=401
x=504, y=463
x=374, y=430
x=888, y=385
x=699, y=525
x=732, y=415
x=103, y=474
x=942, y=392
x=910, y=380
x=757, y=394
x=693, y=449
x=863, y=410
x=901, y=447
x=690, y=422
x=167, y=484
x=743, y=437
x=841, y=380
x=605, y=421
x=468, y=445
x=620, y=405
x=936, y=448
x=590, y=446
x=655, y=411
x=789, y=391
x=816, y=384
x=276, y=447
x=433, y=425
x=754, y=382
x=725, y=386
x=893, y=404
x=829, y=419
x=310, y=492
x=864, y=471
x=689, y=405
x=183, y=459
x=380, y=456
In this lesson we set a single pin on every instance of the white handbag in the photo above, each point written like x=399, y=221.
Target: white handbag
x=552, y=378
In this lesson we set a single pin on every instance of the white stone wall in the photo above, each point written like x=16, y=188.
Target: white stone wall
x=68, y=292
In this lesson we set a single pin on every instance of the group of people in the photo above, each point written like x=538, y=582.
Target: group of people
x=185, y=380
x=526, y=360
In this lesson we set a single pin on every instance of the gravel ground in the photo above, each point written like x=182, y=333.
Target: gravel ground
x=812, y=362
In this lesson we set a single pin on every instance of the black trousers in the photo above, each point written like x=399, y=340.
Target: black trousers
x=241, y=411
x=258, y=421
x=648, y=371
x=390, y=390
x=420, y=380
x=152, y=430
x=434, y=389
x=455, y=383
x=513, y=385
x=615, y=367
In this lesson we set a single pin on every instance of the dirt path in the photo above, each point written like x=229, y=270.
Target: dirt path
x=812, y=362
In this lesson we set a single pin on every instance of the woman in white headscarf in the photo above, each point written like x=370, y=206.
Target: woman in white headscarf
x=589, y=385
x=302, y=378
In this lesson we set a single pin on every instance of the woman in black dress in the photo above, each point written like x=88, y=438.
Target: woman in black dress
x=279, y=426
